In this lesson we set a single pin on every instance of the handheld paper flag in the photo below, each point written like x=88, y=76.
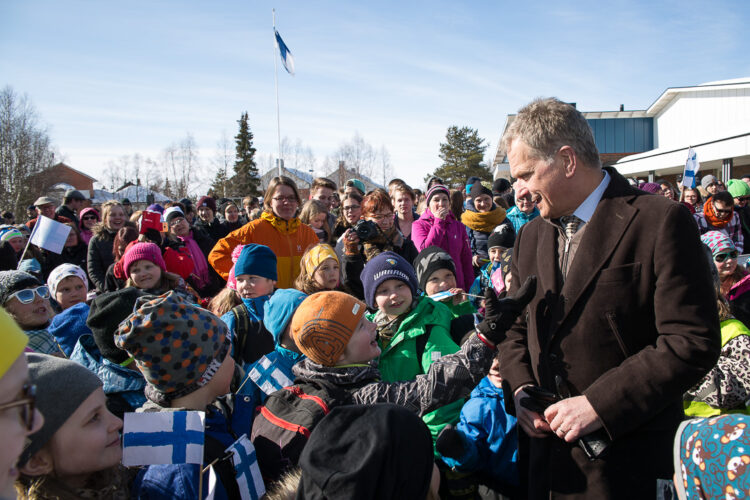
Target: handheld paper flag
x=498, y=280
x=286, y=56
x=174, y=437
x=149, y=220
x=691, y=168
x=268, y=377
x=50, y=234
x=441, y=295
x=246, y=468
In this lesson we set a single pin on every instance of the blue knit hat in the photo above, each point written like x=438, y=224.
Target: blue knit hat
x=279, y=309
x=257, y=260
x=383, y=267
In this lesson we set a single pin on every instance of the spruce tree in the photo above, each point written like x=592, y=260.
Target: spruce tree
x=246, y=179
x=462, y=155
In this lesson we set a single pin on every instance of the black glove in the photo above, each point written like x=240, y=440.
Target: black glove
x=500, y=315
x=449, y=443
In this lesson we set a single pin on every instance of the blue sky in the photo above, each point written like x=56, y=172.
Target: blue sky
x=117, y=78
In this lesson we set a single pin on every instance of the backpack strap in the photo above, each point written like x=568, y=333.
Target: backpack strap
x=241, y=329
x=215, y=450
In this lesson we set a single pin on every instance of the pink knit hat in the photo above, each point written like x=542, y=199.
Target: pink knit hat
x=143, y=251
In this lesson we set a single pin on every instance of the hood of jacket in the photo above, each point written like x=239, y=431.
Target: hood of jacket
x=345, y=376
x=114, y=377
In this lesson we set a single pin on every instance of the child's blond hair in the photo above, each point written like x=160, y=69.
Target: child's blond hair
x=310, y=209
x=224, y=301
x=305, y=281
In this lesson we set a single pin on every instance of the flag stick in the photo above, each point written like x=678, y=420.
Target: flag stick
x=200, y=481
x=276, y=85
x=28, y=242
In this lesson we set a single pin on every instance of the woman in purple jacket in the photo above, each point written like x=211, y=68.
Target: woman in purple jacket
x=438, y=226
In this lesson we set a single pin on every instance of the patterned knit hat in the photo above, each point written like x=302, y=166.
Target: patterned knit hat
x=650, y=187
x=386, y=266
x=256, y=260
x=437, y=188
x=718, y=242
x=178, y=347
x=316, y=256
x=8, y=233
x=324, y=323
x=143, y=251
x=63, y=271
x=430, y=260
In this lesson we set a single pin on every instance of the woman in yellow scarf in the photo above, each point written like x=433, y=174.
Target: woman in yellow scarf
x=481, y=218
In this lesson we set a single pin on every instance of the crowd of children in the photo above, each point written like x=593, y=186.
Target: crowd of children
x=358, y=366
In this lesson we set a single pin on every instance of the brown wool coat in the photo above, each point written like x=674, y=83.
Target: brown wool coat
x=633, y=327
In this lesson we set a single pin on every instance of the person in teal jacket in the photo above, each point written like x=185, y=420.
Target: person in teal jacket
x=413, y=330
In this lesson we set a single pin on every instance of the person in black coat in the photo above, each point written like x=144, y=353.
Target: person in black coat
x=100, y=255
x=207, y=220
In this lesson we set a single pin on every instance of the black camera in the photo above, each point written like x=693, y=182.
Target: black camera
x=366, y=230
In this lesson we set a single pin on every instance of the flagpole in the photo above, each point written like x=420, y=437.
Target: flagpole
x=31, y=235
x=276, y=85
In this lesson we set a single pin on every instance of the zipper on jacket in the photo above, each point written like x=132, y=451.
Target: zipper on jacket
x=565, y=258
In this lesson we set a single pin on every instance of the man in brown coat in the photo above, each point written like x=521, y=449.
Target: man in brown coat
x=624, y=319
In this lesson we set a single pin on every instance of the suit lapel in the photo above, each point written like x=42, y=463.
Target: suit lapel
x=611, y=219
x=546, y=258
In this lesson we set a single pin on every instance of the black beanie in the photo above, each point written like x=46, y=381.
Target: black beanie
x=367, y=452
x=504, y=239
x=105, y=315
x=477, y=189
x=430, y=260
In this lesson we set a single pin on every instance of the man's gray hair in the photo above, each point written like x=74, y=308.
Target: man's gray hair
x=545, y=125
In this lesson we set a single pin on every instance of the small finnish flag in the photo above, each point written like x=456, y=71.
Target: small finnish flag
x=246, y=469
x=174, y=437
x=692, y=165
x=247, y=473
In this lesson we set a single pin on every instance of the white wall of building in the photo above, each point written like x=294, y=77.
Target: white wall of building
x=699, y=116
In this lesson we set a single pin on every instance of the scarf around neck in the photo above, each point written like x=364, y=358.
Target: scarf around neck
x=485, y=222
x=710, y=214
x=281, y=225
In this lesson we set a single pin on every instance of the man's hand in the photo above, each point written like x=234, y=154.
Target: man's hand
x=532, y=423
x=500, y=314
x=572, y=418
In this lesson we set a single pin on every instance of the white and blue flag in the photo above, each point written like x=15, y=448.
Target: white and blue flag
x=174, y=437
x=246, y=468
x=50, y=234
x=286, y=55
x=691, y=169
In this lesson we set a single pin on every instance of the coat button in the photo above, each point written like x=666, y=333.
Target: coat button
x=553, y=356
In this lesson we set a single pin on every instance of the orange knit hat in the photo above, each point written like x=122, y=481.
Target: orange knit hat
x=323, y=324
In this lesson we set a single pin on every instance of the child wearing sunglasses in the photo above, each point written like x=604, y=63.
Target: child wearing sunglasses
x=26, y=299
x=18, y=417
x=77, y=451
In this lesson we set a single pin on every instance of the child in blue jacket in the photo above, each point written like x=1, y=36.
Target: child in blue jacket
x=486, y=438
x=255, y=272
x=273, y=371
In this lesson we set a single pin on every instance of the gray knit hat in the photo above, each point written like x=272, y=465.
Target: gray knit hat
x=13, y=281
x=61, y=387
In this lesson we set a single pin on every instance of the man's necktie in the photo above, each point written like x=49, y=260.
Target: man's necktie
x=570, y=224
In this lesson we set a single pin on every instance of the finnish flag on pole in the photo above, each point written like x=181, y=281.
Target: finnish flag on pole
x=286, y=56
x=246, y=469
x=691, y=168
x=49, y=234
x=173, y=437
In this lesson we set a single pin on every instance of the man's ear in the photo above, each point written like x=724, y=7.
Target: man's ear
x=39, y=464
x=567, y=156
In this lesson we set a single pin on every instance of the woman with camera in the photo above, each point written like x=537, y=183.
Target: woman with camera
x=374, y=234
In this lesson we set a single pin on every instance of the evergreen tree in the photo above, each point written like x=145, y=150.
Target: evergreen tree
x=462, y=155
x=246, y=179
x=220, y=185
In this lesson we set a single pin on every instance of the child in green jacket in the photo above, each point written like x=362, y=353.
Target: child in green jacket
x=413, y=330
